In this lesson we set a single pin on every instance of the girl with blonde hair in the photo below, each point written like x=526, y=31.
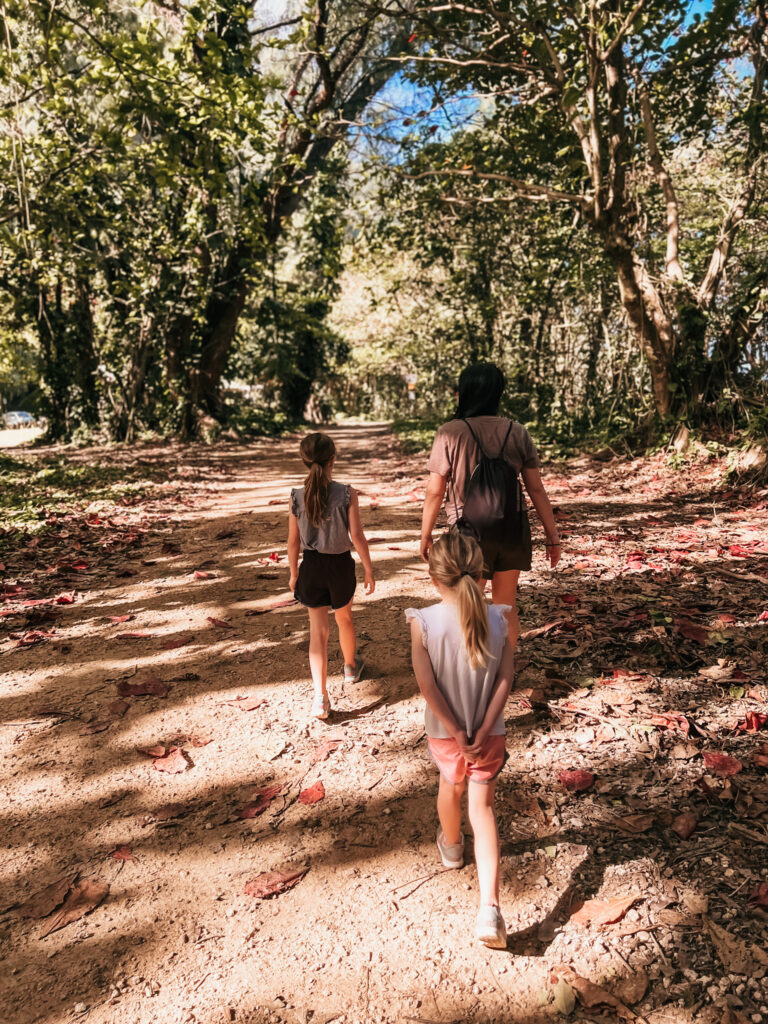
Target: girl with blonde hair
x=324, y=524
x=463, y=663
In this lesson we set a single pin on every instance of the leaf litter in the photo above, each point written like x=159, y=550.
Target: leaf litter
x=653, y=701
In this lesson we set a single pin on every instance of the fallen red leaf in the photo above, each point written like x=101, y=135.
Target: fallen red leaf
x=245, y=703
x=272, y=883
x=151, y=687
x=264, y=798
x=312, y=794
x=200, y=739
x=671, y=720
x=220, y=623
x=173, y=644
x=35, y=636
x=273, y=606
x=753, y=720
x=173, y=762
x=46, y=900
x=84, y=897
x=576, y=781
x=763, y=617
x=122, y=853
x=759, y=895
x=685, y=824
x=278, y=501
x=569, y=598
x=65, y=598
x=604, y=912
x=739, y=551
x=323, y=750
x=157, y=751
x=201, y=574
x=274, y=556
x=120, y=618
x=691, y=631
x=721, y=764
x=726, y=619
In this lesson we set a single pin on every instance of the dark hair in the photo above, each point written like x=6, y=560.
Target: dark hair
x=480, y=390
x=316, y=450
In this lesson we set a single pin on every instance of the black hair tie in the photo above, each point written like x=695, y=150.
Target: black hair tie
x=465, y=573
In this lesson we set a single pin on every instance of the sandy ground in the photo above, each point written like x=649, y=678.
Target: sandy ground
x=19, y=437
x=374, y=931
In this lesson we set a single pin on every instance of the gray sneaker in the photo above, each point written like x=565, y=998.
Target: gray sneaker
x=352, y=673
x=451, y=854
x=490, y=928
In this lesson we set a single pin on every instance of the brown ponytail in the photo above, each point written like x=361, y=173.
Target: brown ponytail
x=316, y=451
x=456, y=561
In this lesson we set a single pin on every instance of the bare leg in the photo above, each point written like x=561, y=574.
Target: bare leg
x=318, y=648
x=346, y=633
x=482, y=817
x=449, y=810
x=504, y=591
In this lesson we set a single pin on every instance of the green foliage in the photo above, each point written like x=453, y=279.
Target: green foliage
x=29, y=487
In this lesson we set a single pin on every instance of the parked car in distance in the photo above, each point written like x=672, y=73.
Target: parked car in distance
x=18, y=419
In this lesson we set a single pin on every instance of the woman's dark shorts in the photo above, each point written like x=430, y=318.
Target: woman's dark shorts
x=326, y=580
x=500, y=553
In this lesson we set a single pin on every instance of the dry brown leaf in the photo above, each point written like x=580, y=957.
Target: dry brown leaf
x=45, y=902
x=738, y=956
x=634, y=824
x=592, y=995
x=84, y=897
x=603, y=912
x=272, y=883
x=685, y=824
x=632, y=988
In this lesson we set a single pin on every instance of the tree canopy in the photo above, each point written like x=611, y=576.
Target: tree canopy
x=225, y=212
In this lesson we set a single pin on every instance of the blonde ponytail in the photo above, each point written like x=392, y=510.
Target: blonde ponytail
x=456, y=561
x=316, y=450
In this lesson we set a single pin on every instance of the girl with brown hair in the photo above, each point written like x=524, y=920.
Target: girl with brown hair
x=324, y=524
x=464, y=666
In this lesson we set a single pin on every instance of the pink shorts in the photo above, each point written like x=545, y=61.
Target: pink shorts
x=454, y=768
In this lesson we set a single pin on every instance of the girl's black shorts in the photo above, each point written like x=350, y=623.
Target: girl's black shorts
x=326, y=580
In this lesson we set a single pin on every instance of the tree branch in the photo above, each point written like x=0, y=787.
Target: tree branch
x=525, y=189
x=672, y=258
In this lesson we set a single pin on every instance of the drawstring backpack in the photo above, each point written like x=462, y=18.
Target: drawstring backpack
x=493, y=502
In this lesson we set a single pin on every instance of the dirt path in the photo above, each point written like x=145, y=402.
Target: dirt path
x=373, y=931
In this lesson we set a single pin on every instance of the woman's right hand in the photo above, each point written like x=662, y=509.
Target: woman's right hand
x=293, y=581
x=554, y=551
x=426, y=544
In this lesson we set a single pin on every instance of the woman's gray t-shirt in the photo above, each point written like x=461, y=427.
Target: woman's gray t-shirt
x=331, y=536
x=467, y=691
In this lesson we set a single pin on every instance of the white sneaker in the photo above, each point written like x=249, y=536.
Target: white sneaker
x=321, y=706
x=451, y=854
x=490, y=928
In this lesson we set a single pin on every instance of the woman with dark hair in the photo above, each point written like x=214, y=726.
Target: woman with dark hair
x=477, y=434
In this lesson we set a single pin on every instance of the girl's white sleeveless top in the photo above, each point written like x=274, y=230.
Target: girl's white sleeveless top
x=466, y=690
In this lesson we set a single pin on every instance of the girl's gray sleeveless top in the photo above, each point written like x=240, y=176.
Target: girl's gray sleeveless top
x=331, y=537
